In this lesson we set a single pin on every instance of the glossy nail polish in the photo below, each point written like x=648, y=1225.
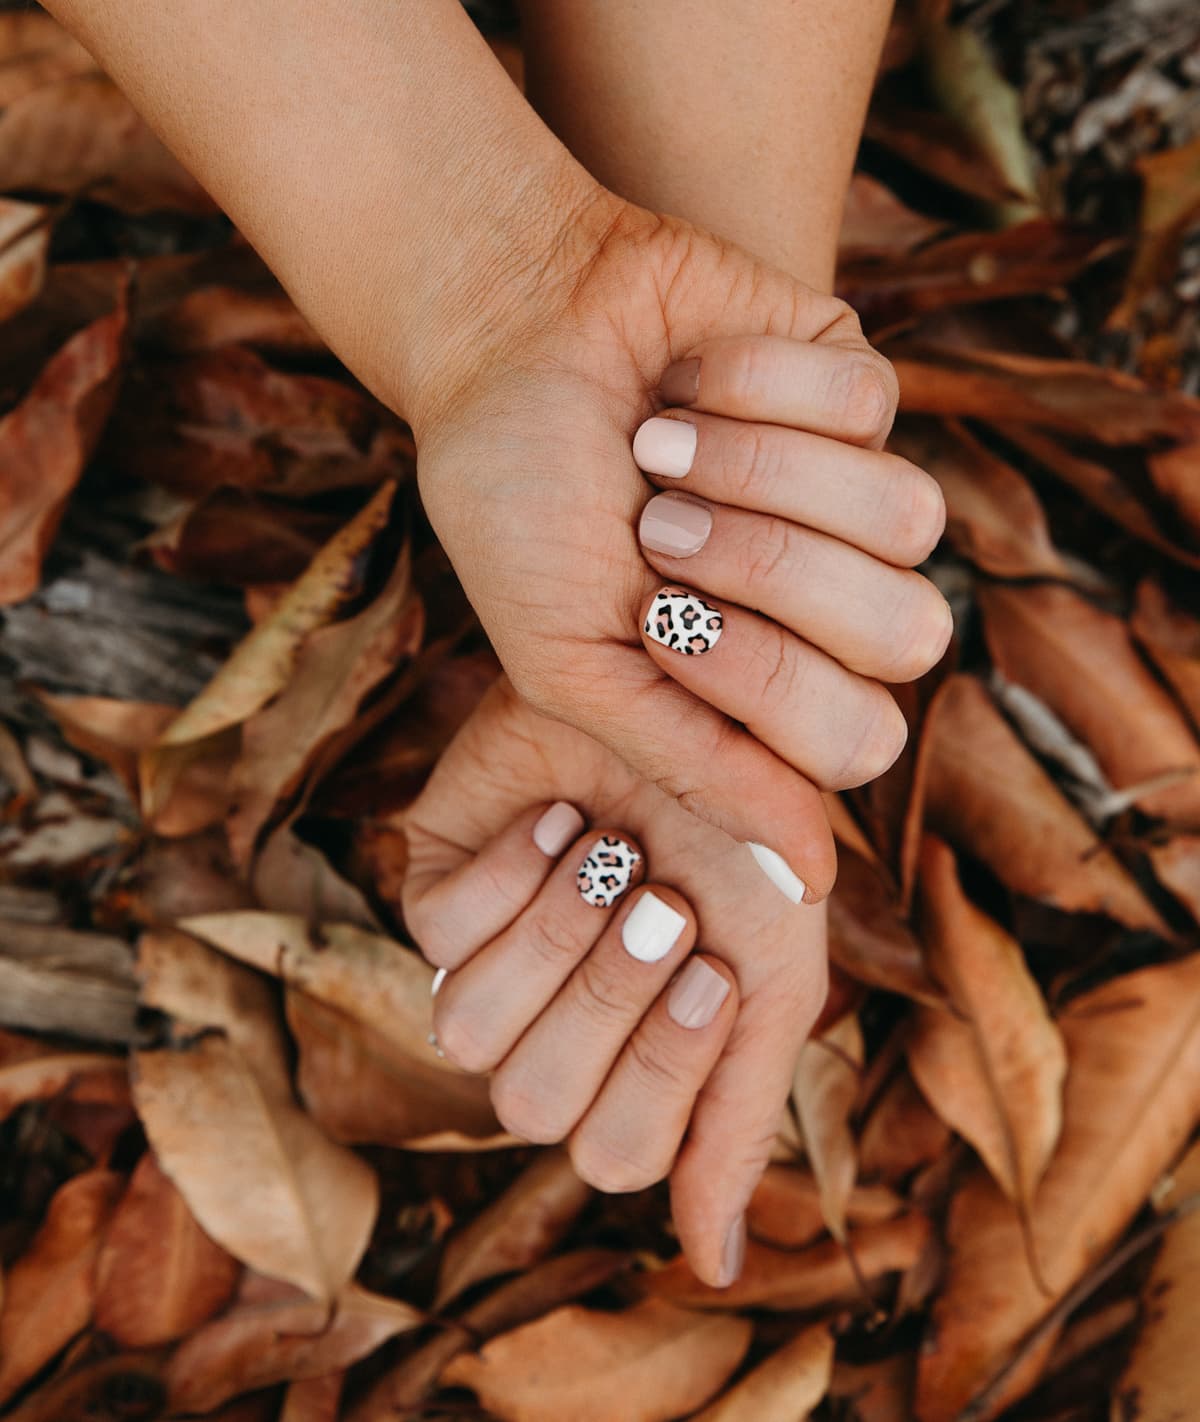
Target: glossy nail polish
x=675, y=524
x=780, y=873
x=733, y=1256
x=652, y=928
x=557, y=828
x=665, y=447
x=607, y=871
x=696, y=995
x=684, y=622
x=680, y=383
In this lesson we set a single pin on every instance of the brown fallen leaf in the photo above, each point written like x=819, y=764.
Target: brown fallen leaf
x=985, y=793
x=1175, y=473
x=785, y=1209
x=901, y=1134
x=32, y=1071
x=1176, y=866
x=516, y=1230
x=993, y=1065
x=314, y=1399
x=46, y=441
x=824, y=1091
x=35, y=50
x=875, y=1392
x=85, y=1393
x=867, y=937
x=49, y=1292
x=1170, y=202
x=1082, y=663
x=80, y=135
x=159, y=1276
x=812, y=1278
x=935, y=145
x=208, y=317
x=647, y=1364
x=993, y=516
x=785, y=1388
x=1161, y=1380
x=24, y=239
x=1171, y=638
x=1132, y=1100
x=293, y=877
x=273, y=1334
x=876, y=223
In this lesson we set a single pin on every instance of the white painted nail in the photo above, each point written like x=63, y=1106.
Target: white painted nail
x=556, y=829
x=438, y=979
x=777, y=869
x=665, y=447
x=652, y=929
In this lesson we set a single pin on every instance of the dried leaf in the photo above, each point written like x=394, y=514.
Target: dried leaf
x=876, y=1392
x=939, y=147
x=824, y=1091
x=86, y=1393
x=786, y=1388
x=314, y=1399
x=212, y=316
x=24, y=240
x=987, y=794
x=46, y=441
x=49, y=1291
x=1175, y=473
x=159, y=1276
x=35, y=50
x=812, y=1278
x=1161, y=1380
x=785, y=1209
x=876, y=223
x=1132, y=1100
x=901, y=1134
x=1082, y=663
x=516, y=1230
x=648, y=1364
x=1170, y=203
x=274, y=1335
x=1171, y=637
x=40, y=1073
x=992, y=1066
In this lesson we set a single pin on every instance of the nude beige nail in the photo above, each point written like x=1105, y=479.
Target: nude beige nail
x=697, y=995
x=557, y=828
x=675, y=524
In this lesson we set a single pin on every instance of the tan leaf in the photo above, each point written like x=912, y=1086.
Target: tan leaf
x=39, y=1073
x=1161, y=1381
x=785, y=1388
x=275, y=1335
x=49, y=1292
x=1082, y=663
x=46, y=441
x=1132, y=1100
x=516, y=1230
x=1170, y=201
x=159, y=1276
x=35, y=50
x=824, y=1091
x=811, y=1278
x=213, y=316
x=987, y=794
x=1175, y=473
x=24, y=238
x=648, y=1364
x=901, y=1134
x=867, y=937
x=293, y=877
x=785, y=1209
x=993, y=1065
x=1171, y=636
x=314, y=1399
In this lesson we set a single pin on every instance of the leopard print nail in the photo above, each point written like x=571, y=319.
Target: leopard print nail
x=607, y=871
x=684, y=622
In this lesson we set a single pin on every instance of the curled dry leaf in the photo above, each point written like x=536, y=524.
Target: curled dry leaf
x=516, y=1230
x=115, y=732
x=647, y=1364
x=49, y=1292
x=275, y=1335
x=867, y=937
x=213, y=316
x=46, y=441
x=785, y=1388
x=993, y=1065
x=824, y=1091
x=1171, y=638
x=1175, y=473
x=1161, y=1381
x=1082, y=663
x=986, y=793
x=785, y=1209
x=159, y=1276
x=314, y=1399
x=812, y=1278
x=876, y=223
x=24, y=239
x=87, y=1392
x=293, y=877
x=35, y=50
x=1132, y=1099
x=901, y=1134
x=32, y=1071
x=1170, y=202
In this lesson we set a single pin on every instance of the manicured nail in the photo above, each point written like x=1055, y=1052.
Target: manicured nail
x=557, y=828
x=652, y=928
x=675, y=524
x=665, y=447
x=776, y=868
x=680, y=383
x=696, y=995
x=733, y=1256
x=607, y=871
x=438, y=979
x=683, y=622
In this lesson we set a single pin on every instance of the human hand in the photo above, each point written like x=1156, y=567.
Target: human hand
x=544, y=992
x=527, y=474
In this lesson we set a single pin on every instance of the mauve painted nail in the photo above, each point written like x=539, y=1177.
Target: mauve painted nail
x=680, y=383
x=675, y=524
x=665, y=447
x=697, y=995
x=557, y=828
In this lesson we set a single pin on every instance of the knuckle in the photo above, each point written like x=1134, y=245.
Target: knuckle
x=654, y=1068
x=781, y=684
x=552, y=938
x=770, y=551
x=750, y=462
x=742, y=370
x=865, y=396
x=525, y=1112
x=602, y=994
x=605, y=1165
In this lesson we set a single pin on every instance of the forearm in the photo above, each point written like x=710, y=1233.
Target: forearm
x=744, y=119
x=374, y=153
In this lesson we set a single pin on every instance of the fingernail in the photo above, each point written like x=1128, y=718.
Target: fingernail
x=733, y=1256
x=665, y=447
x=684, y=622
x=696, y=995
x=607, y=871
x=438, y=979
x=680, y=383
x=557, y=828
x=776, y=868
x=652, y=929
x=675, y=524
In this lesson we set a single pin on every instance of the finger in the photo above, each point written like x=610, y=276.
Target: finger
x=452, y=915
x=847, y=392
x=835, y=727
x=876, y=501
x=482, y=1010
x=716, y=769
x=552, y=1075
x=876, y=620
x=736, y=1118
x=630, y=1136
